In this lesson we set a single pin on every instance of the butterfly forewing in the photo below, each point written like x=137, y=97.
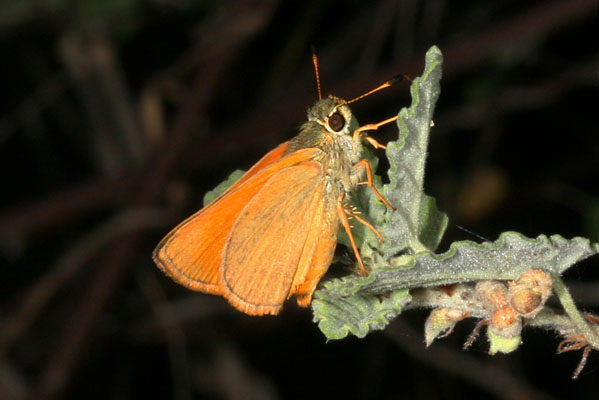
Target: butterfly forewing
x=257, y=276
x=272, y=156
x=186, y=254
x=192, y=252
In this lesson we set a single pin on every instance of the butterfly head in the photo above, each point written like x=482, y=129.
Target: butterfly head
x=334, y=115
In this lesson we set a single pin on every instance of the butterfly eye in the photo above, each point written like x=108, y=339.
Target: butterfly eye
x=336, y=122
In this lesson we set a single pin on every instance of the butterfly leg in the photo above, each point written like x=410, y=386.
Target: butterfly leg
x=343, y=218
x=374, y=143
x=354, y=214
x=364, y=164
x=372, y=127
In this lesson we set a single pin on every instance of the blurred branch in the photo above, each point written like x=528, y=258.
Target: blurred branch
x=64, y=356
x=517, y=98
x=174, y=335
x=30, y=109
x=12, y=384
x=38, y=295
x=91, y=63
x=62, y=207
x=265, y=125
x=539, y=21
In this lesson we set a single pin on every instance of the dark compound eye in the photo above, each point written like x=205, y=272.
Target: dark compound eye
x=336, y=122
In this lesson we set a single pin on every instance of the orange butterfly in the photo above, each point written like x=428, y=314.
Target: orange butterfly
x=273, y=233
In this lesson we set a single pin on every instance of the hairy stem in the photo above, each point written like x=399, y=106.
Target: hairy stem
x=570, y=308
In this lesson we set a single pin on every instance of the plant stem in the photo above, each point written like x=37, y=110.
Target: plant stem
x=570, y=308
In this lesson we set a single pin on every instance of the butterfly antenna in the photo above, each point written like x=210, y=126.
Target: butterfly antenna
x=315, y=62
x=392, y=81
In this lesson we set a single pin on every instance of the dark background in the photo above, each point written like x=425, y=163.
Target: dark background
x=107, y=107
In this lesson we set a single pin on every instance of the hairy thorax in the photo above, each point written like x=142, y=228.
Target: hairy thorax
x=339, y=150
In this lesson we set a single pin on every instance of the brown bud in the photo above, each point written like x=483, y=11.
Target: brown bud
x=503, y=317
x=535, y=277
x=493, y=293
x=525, y=301
x=528, y=293
x=505, y=322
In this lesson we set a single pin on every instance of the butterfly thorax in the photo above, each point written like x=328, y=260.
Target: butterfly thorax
x=330, y=128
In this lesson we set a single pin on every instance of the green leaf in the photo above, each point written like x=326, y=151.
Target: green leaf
x=338, y=304
x=337, y=316
x=505, y=259
x=416, y=224
x=432, y=223
x=221, y=187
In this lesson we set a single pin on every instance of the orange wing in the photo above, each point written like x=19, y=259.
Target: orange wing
x=271, y=245
x=272, y=156
x=191, y=253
